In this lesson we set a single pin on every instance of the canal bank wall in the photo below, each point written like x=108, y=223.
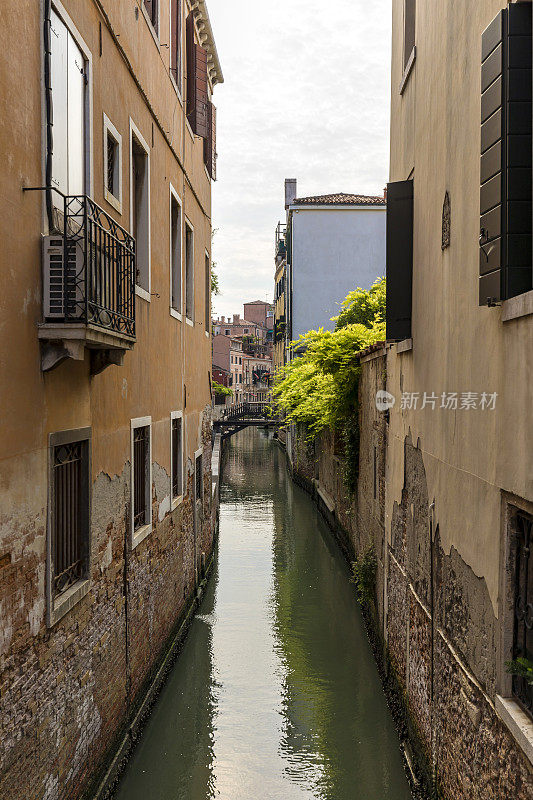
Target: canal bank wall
x=430, y=620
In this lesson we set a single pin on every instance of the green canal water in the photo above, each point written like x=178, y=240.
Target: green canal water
x=275, y=695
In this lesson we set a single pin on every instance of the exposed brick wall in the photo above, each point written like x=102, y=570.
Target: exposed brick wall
x=443, y=673
x=66, y=693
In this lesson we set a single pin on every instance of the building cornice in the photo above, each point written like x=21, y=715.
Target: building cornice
x=207, y=40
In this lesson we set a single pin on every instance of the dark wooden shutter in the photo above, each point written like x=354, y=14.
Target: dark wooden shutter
x=505, y=176
x=210, y=145
x=399, y=260
x=196, y=82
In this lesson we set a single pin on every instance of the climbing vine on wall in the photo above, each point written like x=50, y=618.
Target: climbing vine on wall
x=319, y=386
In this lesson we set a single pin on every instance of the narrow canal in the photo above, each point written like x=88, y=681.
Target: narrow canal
x=275, y=695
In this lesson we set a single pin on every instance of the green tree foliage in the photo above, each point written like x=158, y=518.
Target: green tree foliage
x=319, y=387
x=220, y=390
x=362, y=306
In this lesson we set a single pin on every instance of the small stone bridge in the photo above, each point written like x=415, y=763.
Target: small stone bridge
x=236, y=417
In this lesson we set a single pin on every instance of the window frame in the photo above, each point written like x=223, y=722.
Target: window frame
x=109, y=129
x=57, y=606
x=88, y=165
x=137, y=536
x=408, y=59
x=174, y=196
x=190, y=226
x=517, y=721
x=175, y=500
x=134, y=133
x=153, y=26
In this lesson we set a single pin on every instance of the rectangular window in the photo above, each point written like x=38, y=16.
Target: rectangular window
x=112, y=165
x=522, y=542
x=68, y=70
x=226, y=332
x=207, y=296
x=175, y=252
x=409, y=21
x=199, y=478
x=189, y=271
x=176, y=453
x=141, y=478
x=175, y=45
x=70, y=501
x=140, y=207
x=152, y=11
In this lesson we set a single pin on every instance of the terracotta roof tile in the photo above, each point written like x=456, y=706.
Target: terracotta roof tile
x=340, y=199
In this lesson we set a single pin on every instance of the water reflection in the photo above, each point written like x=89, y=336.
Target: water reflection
x=275, y=694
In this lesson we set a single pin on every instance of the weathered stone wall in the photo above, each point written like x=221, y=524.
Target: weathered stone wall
x=442, y=644
x=434, y=616
x=68, y=692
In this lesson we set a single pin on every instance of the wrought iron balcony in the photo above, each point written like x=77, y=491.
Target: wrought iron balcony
x=88, y=287
x=281, y=246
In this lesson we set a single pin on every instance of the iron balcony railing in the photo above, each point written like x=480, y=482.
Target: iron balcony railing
x=281, y=246
x=96, y=280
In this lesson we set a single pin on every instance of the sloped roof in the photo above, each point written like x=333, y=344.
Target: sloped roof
x=340, y=199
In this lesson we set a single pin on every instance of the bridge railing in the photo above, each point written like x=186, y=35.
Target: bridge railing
x=247, y=410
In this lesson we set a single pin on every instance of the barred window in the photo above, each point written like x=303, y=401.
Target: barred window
x=70, y=472
x=141, y=476
x=199, y=478
x=523, y=605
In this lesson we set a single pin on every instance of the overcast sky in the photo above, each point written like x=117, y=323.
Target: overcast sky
x=306, y=95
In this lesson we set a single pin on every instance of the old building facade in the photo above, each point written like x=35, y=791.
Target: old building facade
x=459, y=464
x=105, y=491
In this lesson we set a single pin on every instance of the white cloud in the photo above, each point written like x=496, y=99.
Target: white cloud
x=306, y=96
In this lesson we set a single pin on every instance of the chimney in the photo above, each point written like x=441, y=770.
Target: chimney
x=290, y=191
x=223, y=319
x=385, y=193
x=236, y=318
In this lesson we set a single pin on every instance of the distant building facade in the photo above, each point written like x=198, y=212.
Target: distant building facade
x=331, y=245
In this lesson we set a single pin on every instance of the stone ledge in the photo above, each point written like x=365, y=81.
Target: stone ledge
x=405, y=346
x=518, y=723
x=66, y=601
x=516, y=307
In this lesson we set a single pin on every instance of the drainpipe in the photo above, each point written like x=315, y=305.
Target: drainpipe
x=49, y=107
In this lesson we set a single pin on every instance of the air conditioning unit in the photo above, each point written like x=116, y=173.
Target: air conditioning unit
x=55, y=275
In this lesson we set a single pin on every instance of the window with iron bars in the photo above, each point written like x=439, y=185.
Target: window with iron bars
x=523, y=605
x=69, y=512
x=199, y=478
x=141, y=472
x=176, y=458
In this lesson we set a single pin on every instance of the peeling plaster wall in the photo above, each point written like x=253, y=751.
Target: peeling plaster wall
x=66, y=692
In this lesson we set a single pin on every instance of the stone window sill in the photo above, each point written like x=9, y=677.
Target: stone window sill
x=518, y=723
x=140, y=535
x=62, y=605
x=405, y=346
x=517, y=307
x=407, y=71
